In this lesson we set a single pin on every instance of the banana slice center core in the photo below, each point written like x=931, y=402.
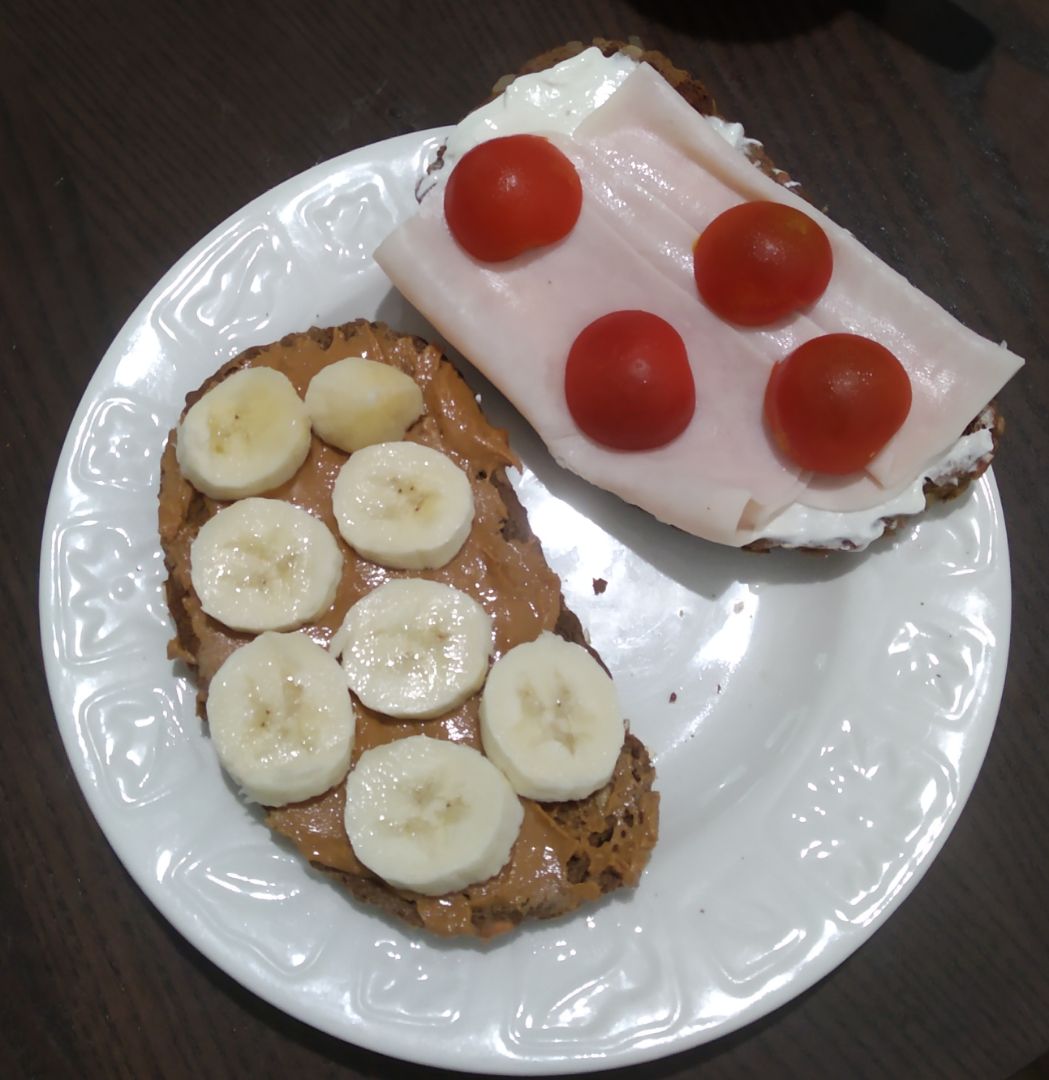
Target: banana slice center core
x=560, y=719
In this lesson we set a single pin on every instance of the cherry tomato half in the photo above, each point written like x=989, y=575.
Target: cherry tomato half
x=509, y=195
x=628, y=383
x=835, y=401
x=760, y=261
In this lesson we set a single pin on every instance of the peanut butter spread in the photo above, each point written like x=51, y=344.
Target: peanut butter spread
x=566, y=853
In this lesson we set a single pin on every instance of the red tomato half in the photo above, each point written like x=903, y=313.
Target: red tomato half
x=509, y=195
x=760, y=261
x=836, y=401
x=628, y=383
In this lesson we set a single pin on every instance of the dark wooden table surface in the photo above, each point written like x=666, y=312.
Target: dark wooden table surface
x=128, y=130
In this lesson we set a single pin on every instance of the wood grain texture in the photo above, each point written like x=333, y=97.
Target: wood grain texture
x=128, y=130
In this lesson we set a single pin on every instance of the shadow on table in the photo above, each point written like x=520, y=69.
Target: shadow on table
x=940, y=30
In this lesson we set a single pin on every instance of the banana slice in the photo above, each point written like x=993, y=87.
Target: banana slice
x=414, y=648
x=245, y=436
x=355, y=402
x=550, y=719
x=429, y=815
x=281, y=719
x=403, y=505
x=264, y=564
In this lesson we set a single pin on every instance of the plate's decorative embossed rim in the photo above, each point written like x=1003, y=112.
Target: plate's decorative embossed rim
x=817, y=723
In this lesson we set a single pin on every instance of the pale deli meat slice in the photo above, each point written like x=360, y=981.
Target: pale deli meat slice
x=621, y=166
x=665, y=201
x=659, y=194
x=710, y=474
x=954, y=372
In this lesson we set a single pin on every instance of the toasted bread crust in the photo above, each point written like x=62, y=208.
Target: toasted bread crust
x=602, y=842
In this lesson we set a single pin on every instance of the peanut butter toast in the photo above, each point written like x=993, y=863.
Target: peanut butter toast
x=566, y=854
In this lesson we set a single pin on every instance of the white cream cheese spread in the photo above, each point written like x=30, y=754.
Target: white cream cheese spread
x=804, y=526
x=552, y=101
x=555, y=101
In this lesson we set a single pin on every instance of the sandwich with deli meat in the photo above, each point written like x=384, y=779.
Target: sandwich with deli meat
x=679, y=324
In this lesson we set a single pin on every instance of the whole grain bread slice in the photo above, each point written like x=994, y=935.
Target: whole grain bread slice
x=567, y=854
x=940, y=488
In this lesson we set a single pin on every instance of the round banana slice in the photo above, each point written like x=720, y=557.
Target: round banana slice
x=245, y=436
x=429, y=815
x=414, y=648
x=355, y=402
x=281, y=719
x=403, y=505
x=264, y=564
x=550, y=719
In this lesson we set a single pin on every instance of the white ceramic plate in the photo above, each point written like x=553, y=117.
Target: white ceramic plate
x=829, y=720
